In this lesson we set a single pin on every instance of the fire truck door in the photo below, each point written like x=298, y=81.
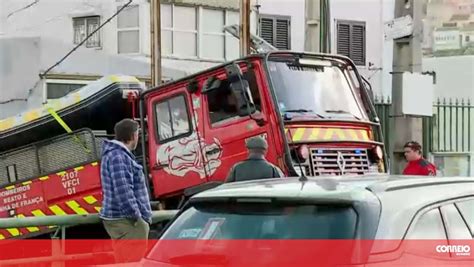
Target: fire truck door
x=175, y=154
x=224, y=127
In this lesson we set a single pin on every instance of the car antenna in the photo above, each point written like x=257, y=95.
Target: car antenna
x=303, y=177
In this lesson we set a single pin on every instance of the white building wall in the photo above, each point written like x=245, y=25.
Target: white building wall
x=53, y=19
x=467, y=38
x=19, y=66
x=388, y=10
x=378, y=51
x=293, y=8
x=373, y=12
x=446, y=40
x=454, y=77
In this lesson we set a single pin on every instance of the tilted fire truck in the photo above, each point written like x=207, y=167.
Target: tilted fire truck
x=314, y=110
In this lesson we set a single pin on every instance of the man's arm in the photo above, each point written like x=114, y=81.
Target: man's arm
x=277, y=173
x=122, y=180
x=431, y=170
x=428, y=168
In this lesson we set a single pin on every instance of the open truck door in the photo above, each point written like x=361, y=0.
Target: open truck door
x=234, y=111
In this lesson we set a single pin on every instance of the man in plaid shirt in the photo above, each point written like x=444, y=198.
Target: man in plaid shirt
x=126, y=211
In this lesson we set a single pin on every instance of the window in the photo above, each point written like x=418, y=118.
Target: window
x=466, y=208
x=196, y=32
x=450, y=24
x=83, y=27
x=263, y=221
x=455, y=225
x=276, y=30
x=128, y=30
x=468, y=38
x=213, y=33
x=232, y=50
x=179, y=30
x=429, y=226
x=314, y=90
x=59, y=88
x=172, y=118
x=351, y=40
x=12, y=174
x=222, y=103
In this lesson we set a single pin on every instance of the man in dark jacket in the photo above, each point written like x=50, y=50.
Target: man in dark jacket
x=126, y=211
x=256, y=166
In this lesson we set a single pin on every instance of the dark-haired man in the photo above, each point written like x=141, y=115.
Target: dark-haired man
x=417, y=165
x=126, y=211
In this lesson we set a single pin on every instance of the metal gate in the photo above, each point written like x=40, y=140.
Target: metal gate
x=448, y=133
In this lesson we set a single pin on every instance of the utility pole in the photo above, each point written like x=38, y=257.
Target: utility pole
x=155, y=36
x=407, y=56
x=312, y=26
x=244, y=27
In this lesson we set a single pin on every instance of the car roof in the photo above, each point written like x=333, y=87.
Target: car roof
x=290, y=187
x=400, y=198
x=342, y=188
x=403, y=201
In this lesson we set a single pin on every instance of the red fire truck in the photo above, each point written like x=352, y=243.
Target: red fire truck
x=314, y=110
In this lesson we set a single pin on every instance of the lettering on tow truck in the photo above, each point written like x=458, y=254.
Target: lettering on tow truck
x=17, y=198
x=70, y=180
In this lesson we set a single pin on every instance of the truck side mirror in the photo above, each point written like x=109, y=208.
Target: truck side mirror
x=241, y=89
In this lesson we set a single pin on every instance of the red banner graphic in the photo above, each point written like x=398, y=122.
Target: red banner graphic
x=238, y=252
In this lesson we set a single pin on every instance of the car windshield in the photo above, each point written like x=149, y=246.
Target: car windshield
x=216, y=221
x=323, y=91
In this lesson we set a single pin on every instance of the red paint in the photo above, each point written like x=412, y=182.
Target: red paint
x=420, y=167
x=72, y=182
x=251, y=252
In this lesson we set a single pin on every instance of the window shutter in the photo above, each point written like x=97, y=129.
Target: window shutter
x=358, y=44
x=276, y=31
x=282, y=34
x=266, y=29
x=351, y=40
x=343, y=39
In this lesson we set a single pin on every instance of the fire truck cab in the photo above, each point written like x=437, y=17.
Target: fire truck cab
x=314, y=111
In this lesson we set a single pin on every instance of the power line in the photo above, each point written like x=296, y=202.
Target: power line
x=23, y=8
x=85, y=39
x=30, y=91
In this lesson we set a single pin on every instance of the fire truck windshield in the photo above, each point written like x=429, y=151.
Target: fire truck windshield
x=322, y=91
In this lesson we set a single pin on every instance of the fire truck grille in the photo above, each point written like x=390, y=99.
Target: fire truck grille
x=337, y=161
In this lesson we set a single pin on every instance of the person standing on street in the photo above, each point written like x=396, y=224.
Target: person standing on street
x=417, y=165
x=256, y=166
x=126, y=211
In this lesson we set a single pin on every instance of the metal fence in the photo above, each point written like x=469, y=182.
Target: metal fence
x=450, y=129
x=49, y=156
x=58, y=254
x=383, y=108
